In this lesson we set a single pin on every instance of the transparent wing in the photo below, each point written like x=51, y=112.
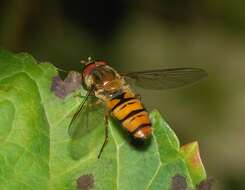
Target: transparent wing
x=81, y=123
x=165, y=78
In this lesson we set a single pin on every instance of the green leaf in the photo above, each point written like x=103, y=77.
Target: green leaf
x=36, y=151
x=194, y=163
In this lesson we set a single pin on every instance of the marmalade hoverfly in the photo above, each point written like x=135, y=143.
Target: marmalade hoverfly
x=113, y=90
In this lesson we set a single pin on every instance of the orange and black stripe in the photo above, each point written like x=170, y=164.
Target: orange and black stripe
x=131, y=113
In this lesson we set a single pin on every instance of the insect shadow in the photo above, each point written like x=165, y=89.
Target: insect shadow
x=137, y=144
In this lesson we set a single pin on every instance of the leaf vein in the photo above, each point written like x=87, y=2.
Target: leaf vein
x=159, y=166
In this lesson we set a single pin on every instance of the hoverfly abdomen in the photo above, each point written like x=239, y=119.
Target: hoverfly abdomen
x=128, y=110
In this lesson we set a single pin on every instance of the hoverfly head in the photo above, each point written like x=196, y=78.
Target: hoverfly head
x=89, y=66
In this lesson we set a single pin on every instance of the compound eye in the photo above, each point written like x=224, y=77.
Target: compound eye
x=97, y=77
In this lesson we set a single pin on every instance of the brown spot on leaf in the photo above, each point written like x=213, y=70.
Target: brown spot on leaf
x=58, y=87
x=85, y=182
x=178, y=183
x=62, y=88
x=206, y=184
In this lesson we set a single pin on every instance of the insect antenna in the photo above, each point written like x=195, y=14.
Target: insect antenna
x=90, y=60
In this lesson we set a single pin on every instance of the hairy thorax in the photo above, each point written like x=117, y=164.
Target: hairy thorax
x=107, y=83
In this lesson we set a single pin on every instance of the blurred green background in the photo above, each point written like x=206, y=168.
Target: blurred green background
x=152, y=34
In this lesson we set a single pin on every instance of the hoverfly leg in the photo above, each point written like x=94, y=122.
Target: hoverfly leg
x=78, y=95
x=61, y=70
x=106, y=118
x=138, y=96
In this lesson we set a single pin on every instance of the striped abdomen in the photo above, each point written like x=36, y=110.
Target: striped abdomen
x=132, y=114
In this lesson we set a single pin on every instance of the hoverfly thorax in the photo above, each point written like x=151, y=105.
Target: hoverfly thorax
x=105, y=81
